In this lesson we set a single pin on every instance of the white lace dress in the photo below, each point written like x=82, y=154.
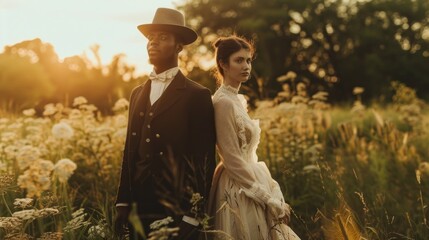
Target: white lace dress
x=247, y=202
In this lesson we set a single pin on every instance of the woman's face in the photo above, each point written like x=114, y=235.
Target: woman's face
x=238, y=68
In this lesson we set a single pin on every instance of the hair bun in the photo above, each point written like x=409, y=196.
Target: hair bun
x=218, y=42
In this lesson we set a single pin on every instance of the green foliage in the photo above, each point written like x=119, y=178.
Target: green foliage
x=335, y=45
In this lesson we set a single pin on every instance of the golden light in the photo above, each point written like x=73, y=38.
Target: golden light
x=72, y=27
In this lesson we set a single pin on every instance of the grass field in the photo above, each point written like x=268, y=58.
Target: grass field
x=349, y=172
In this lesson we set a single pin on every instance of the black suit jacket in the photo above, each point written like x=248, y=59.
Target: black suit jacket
x=182, y=143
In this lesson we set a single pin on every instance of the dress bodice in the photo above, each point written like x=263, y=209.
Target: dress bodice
x=247, y=129
x=248, y=202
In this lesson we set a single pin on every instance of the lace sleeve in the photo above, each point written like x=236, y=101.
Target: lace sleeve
x=229, y=134
x=229, y=131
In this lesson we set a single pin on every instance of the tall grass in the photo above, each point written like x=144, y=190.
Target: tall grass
x=350, y=173
x=360, y=172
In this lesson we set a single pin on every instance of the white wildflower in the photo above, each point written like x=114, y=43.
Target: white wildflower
x=301, y=87
x=46, y=212
x=3, y=166
x=196, y=197
x=8, y=136
x=120, y=121
x=96, y=232
x=321, y=95
x=29, y=112
x=10, y=223
x=161, y=223
x=17, y=236
x=358, y=90
x=274, y=131
x=75, y=114
x=45, y=166
x=121, y=105
x=25, y=214
x=120, y=134
x=164, y=233
x=79, y=101
x=23, y=202
x=17, y=125
x=51, y=236
x=50, y=109
x=34, y=130
x=88, y=108
x=264, y=104
x=78, y=221
x=26, y=156
x=161, y=231
x=358, y=107
x=4, y=120
x=299, y=99
x=63, y=169
x=288, y=76
x=62, y=130
x=36, y=178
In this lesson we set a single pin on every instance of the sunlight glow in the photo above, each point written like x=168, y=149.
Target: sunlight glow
x=72, y=27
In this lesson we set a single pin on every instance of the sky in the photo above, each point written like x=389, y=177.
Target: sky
x=73, y=26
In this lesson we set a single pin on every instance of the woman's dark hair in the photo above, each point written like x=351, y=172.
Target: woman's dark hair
x=225, y=47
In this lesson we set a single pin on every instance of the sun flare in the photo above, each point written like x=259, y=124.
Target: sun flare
x=72, y=27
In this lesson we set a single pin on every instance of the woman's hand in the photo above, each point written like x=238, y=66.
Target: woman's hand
x=286, y=218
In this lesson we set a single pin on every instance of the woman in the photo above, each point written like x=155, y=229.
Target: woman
x=248, y=202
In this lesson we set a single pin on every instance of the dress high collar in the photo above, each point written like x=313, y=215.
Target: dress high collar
x=228, y=88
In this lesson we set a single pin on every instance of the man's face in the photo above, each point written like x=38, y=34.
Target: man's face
x=162, y=47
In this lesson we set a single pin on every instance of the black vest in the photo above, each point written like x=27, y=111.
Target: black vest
x=145, y=157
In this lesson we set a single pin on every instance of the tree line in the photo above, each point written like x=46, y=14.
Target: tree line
x=32, y=75
x=329, y=45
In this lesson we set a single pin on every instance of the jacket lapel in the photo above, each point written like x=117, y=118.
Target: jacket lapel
x=140, y=102
x=173, y=92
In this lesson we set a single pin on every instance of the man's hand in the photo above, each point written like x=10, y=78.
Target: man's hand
x=121, y=220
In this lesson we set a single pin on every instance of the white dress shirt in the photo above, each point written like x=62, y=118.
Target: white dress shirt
x=160, y=82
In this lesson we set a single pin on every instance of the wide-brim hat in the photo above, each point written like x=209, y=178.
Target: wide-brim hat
x=170, y=20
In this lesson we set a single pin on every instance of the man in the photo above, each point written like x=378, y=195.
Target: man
x=170, y=145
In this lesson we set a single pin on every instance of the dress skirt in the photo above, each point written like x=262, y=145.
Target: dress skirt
x=239, y=217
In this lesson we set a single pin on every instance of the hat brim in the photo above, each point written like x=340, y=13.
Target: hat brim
x=186, y=34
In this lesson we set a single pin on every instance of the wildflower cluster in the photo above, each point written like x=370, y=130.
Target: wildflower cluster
x=161, y=230
x=291, y=130
x=39, y=153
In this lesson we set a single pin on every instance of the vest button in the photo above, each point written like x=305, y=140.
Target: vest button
x=161, y=153
x=133, y=133
x=147, y=140
x=151, y=114
x=141, y=114
x=148, y=126
x=157, y=135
